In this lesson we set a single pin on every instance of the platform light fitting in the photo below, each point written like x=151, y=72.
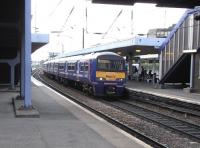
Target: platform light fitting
x=138, y=50
x=119, y=52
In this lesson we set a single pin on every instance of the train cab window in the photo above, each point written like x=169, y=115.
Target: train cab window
x=103, y=64
x=117, y=65
x=110, y=65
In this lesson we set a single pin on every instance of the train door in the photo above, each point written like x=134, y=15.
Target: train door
x=86, y=69
x=92, y=69
x=77, y=70
x=66, y=70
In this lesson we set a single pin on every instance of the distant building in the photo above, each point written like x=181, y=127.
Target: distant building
x=160, y=32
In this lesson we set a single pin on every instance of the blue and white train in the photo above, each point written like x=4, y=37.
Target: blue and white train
x=99, y=74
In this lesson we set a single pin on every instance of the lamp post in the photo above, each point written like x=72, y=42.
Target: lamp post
x=83, y=40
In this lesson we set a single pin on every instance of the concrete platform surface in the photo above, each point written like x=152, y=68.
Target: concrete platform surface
x=22, y=112
x=61, y=125
x=177, y=94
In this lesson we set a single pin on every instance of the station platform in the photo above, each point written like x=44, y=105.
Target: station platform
x=172, y=93
x=62, y=124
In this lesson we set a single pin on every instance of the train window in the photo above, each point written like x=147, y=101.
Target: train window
x=81, y=66
x=71, y=66
x=61, y=67
x=110, y=65
x=55, y=65
x=117, y=65
x=103, y=64
x=86, y=67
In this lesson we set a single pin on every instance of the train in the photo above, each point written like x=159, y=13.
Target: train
x=99, y=74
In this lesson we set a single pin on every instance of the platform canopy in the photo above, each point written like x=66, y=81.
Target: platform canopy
x=39, y=40
x=134, y=46
x=160, y=3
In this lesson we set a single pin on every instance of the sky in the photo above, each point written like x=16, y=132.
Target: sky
x=65, y=21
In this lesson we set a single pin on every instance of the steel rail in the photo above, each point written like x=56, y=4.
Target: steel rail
x=129, y=130
x=191, y=130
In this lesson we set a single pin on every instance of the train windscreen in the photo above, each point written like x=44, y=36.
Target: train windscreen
x=110, y=65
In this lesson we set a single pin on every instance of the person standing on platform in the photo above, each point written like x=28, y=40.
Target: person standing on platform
x=141, y=73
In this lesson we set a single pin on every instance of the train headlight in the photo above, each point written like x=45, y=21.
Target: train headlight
x=120, y=79
x=101, y=79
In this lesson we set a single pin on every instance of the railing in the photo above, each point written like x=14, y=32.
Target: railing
x=184, y=36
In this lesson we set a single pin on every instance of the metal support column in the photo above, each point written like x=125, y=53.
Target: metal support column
x=192, y=71
x=160, y=65
x=12, y=76
x=130, y=62
x=26, y=56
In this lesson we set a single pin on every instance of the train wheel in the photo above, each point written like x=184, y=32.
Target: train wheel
x=61, y=80
x=85, y=88
x=65, y=82
x=90, y=90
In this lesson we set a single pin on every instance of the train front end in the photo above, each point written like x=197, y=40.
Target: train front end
x=110, y=75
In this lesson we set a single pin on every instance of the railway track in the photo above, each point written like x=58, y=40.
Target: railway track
x=135, y=133
x=173, y=105
x=182, y=127
x=176, y=126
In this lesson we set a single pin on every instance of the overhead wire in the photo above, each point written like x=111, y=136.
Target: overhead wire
x=63, y=26
x=58, y=4
x=112, y=23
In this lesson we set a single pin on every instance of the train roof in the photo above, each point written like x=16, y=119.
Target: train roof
x=82, y=57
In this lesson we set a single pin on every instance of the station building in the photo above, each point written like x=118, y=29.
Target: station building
x=179, y=52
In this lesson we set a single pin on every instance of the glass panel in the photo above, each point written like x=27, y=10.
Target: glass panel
x=86, y=67
x=110, y=65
